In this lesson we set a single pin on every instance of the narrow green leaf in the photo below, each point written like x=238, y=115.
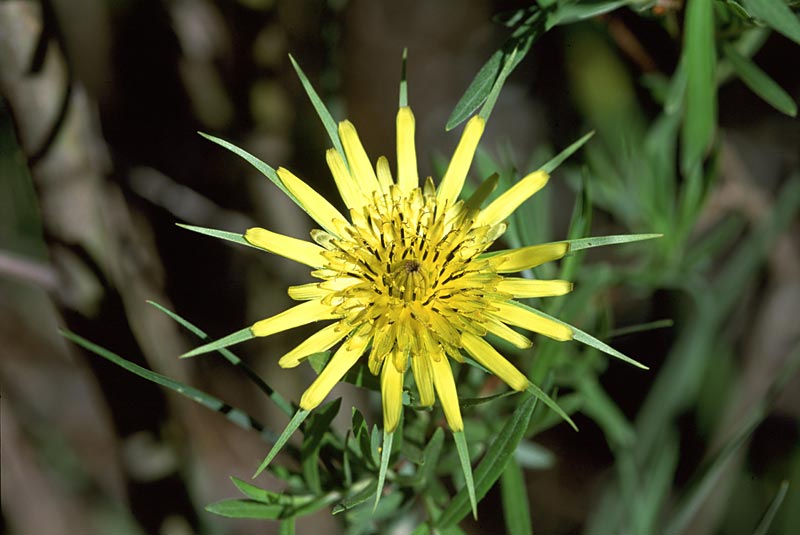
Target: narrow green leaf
x=254, y=493
x=550, y=402
x=237, y=416
x=568, y=13
x=580, y=336
x=481, y=86
x=516, y=510
x=491, y=98
x=493, y=463
x=386, y=452
x=263, y=168
x=701, y=90
x=403, y=82
x=325, y=116
x=278, y=399
x=291, y=427
x=245, y=509
x=602, y=241
x=466, y=403
x=551, y=166
x=466, y=468
x=221, y=234
x=760, y=82
x=233, y=338
x=777, y=15
x=772, y=510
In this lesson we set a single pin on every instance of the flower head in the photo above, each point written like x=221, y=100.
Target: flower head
x=406, y=277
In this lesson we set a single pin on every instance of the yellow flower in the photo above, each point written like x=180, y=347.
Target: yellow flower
x=406, y=278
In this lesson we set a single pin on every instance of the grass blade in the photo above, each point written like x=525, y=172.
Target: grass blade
x=516, y=510
x=760, y=82
x=777, y=15
x=233, y=338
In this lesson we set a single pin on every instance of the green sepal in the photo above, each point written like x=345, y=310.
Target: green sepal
x=559, y=158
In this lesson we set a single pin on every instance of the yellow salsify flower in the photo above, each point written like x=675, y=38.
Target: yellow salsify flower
x=406, y=277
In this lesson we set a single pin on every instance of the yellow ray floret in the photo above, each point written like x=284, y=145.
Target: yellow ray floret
x=360, y=168
x=392, y=396
x=315, y=204
x=505, y=204
x=521, y=317
x=453, y=179
x=446, y=390
x=320, y=341
x=303, y=314
x=349, y=188
x=407, y=177
x=344, y=359
x=291, y=248
x=526, y=288
x=524, y=258
x=489, y=358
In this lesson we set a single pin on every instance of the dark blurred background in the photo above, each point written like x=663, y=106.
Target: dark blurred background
x=102, y=101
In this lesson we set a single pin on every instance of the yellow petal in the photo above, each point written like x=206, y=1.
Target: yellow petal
x=515, y=260
x=302, y=314
x=322, y=340
x=505, y=204
x=298, y=250
x=315, y=204
x=407, y=177
x=304, y=292
x=344, y=359
x=456, y=173
x=533, y=288
x=384, y=173
x=391, y=396
x=360, y=168
x=421, y=366
x=446, y=390
x=493, y=361
x=508, y=334
x=515, y=315
x=348, y=187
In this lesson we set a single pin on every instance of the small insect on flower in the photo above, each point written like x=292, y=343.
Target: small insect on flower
x=406, y=278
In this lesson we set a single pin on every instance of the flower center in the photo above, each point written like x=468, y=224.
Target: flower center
x=408, y=281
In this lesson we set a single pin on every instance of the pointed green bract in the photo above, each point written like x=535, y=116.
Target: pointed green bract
x=232, y=339
x=466, y=468
x=236, y=416
x=325, y=116
x=602, y=241
x=221, y=234
x=580, y=336
x=551, y=166
x=291, y=427
x=278, y=399
x=403, y=99
x=550, y=402
x=264, y=168
x=386, y=452
x=493, y=463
